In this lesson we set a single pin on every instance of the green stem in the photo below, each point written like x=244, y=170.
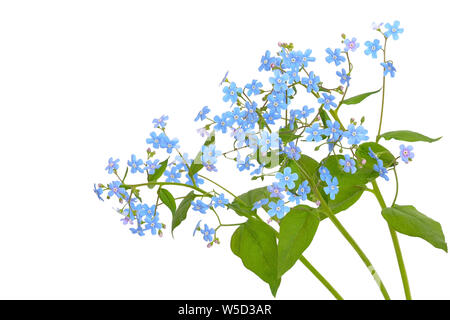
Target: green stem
x=324, y=281
x=398, y=252
x=345, y=233
x=382, y=96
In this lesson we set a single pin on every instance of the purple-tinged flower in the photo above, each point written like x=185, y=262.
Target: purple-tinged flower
x=351, y=45
x=406, y=153
x=224, y=79
x=275, y=191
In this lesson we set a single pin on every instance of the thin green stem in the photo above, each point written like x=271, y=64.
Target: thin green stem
x=324, y=281
x=223, y=188
x=398, y=252
x=382, y=95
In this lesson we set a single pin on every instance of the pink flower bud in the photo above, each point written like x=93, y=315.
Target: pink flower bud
x=318, y=203
x=269, y=220
x=363, y=161
x=209, y=245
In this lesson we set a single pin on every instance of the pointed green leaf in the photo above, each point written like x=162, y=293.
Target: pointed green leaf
x=409, y=221
x=256, y=244
x=180, y=214
x=405, y=135
x=168, y=199
x=381, y=152
x=359, y=98
x=297, y=230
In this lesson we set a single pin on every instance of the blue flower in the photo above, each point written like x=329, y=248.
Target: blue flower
x=208, y=233
x=198, y=181
x=200, y=206
x=334, y=130
x=287, y=178
x=231, y=93
x=266, y=62
x=268, y=141
x=372, y=48
x=245, y=165
x=324, y=173
x=116, y=189
x=382, y=171
x=351, y=45
x=271, y=116
x=372, y=154
x=305, y=58
x=253, y=88
x=348, y=164
x=332, y=187
x=389, y=68
x=294, y=76
x=293, y=197
x=98, y=191
x=152, y=224
x=292, y=151
x=169, y=145
x=156, y=139
x=355, y=135
x=311, y=82
x=345, y=78
x=202, y=114
x=279, y=81
x=172, y=175
x=314, y=133
x=160, y=122
x=278, y=209
x=197, y=227
x=138, y=231
x=219, y=201
x=303, y=190
x=152, y=166
x=112, y=165
x=327, y=101
x=291, y=60
x=306, y=111
x=393, y=30
x=252, y=115
x=210, y=154
x=334, y=56
x=135, y=164
x=275, y=191
x=405, y=153
x=260, y=203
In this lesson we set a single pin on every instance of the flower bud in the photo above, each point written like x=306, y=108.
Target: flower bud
x=269, y=220
x=363, y=161
x=149, y=150
x=160, y=233
x=209, y=245
x=318, y=203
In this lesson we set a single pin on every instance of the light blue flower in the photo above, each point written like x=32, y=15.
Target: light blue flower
x=372, y=48
x=287, y=178
x=332, y=187
x=112, y=165
x=406, y=153
x=278, y=209
x=393, y=30
x=348, y=164
x=258, y=204
x=334, y=56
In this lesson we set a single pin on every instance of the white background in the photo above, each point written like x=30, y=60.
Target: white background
x=81, y=81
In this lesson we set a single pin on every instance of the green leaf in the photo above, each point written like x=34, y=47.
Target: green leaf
x=243, y=204
x=359, y=98
x=405, y=135
x=180, y=213
x=256, y=244
x=297, y=230
x=158, y=173
x=168, y=199
x=409, y=221
x=287, y=135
